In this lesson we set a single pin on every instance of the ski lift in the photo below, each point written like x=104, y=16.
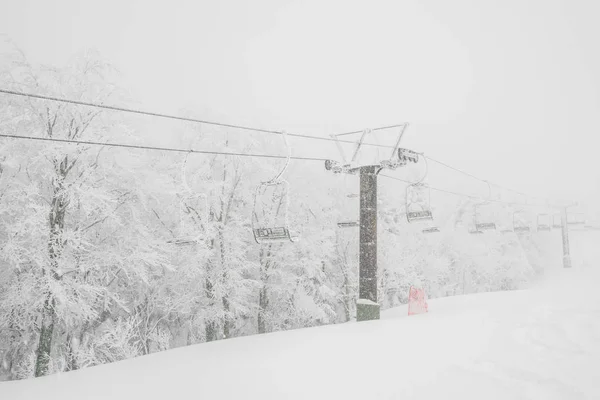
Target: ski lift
x=505, y=221
x=576, y=219
x=520, y=222
x=269, y=216
x=544, y=222
x=350, y=220
x=483, y=215
x=193, y=216
x=418, y=203
x=557, y=221
x=193, y=213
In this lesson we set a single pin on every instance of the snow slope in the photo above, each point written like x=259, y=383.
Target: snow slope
x=541, y=343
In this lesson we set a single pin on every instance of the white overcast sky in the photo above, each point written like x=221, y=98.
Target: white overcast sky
x=508, y=90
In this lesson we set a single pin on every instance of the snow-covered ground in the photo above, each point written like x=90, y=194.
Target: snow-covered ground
x=541, y=343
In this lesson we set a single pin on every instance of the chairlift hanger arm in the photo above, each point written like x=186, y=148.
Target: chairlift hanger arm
x=287, y=160
x=404, y=126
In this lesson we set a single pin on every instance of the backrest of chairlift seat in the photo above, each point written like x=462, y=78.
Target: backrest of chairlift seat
x=348, y=224
x=419, y=215
x=433, y=229
x=267, y=234
x=522, y=229
x=485, y=225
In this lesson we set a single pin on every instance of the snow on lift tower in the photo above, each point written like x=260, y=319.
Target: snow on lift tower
x=544, y=222
x=361, y=157
x=194, y=213
x=270, y=211
x=418, y=203
x=483, y=214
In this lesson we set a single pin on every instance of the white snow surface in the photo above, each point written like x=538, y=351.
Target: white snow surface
x=366, y=302
x=540, y=343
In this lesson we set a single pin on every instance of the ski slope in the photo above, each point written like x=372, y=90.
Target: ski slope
x=541, y=343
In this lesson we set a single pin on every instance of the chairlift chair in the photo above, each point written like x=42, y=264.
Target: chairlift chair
x=270, y=213
x=505, y=223
x=483, y=214
x=348, y=224
x=483, y=221
x=193, y=219
x=194, y=213
x=557, y=221
x=269, y=218
x=518, y=224
x=576, y=219
x=418, y=206
x=544, y=222
x=418, y=196
x=418, y=203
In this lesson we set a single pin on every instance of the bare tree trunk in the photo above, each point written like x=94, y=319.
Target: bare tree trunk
x=227, y=323
x=72, y=347
x=263, y=303
x=211, y=326
x=263, y=298
x=347, y=297
x=223, y=220
x=55, y=245
x=46, y=331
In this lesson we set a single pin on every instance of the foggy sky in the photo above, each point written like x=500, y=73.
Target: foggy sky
x=507, y=90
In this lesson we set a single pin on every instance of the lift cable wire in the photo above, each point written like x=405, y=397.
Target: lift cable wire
x=178, y=150
x=188, y=119
x=155, y=148
x=473, y=176
x=464, y=194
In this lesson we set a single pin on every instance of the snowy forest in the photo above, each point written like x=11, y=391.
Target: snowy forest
x=110, y=253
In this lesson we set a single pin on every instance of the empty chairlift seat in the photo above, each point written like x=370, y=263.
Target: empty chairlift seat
x=544, y=222
x=521, y=222
x=418, y=206
x=484, y=218
x=269, y=217
x=556, y=221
